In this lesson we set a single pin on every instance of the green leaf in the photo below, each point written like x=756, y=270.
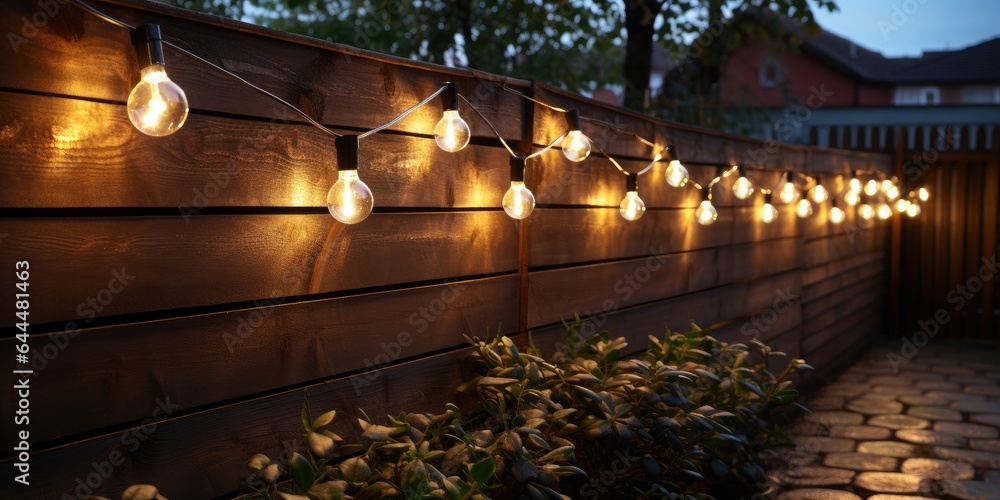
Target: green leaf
x=303, y=474
x=324, y=419
x=482, y=471
x=305, y=414
x=786, y=396
x=751, y=387
x=499, y=381
x=258, y=461
x=355, y=470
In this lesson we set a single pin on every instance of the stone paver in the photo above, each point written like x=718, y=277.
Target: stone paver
x=892, y=482
x=889, y=449
x=985, y=445
x=835, y=418
x=861, y=462
x=934, y=413
x=814, y=475
x=976, y=406
x=969, y=490
x=954, y=396
x=982, y=459
x=986, y=419
x=861, y=432
x=988, y=390
x=817, y=494
x=938, y=469
x=928, y=437
x=897, y=497
x=924, y=401
x=966, y=430
x=938, y=385
x=898, y=422
x=825, y=403
x=993, y=476
x=819, y=444
x=875, y=407
x=898, y=390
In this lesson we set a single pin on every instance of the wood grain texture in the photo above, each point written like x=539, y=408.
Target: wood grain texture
x=175, y=264
x=991, y=244
x=837, y=282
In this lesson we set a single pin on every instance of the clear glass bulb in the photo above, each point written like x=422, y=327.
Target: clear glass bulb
x=886, y=184
x=706, y=213
x=157, y=106
x=518, y=201
x=854, y=184
x=804, y=208
x=576, y=146
x=884, y=211
x=913, y=210
x=871, y=188
x=768, y=214
x=852, y=198
x=632, y=207
x=892, y=193
x=677, y=175
x=742, y=188
x=349, y=200
x=923, y=194
x=837, y=215
x=902, y=205
x=788, y=192
x=820, y=194
x=866, y=211
x=452, y=133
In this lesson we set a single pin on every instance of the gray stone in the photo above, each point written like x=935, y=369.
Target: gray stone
x=982, y=459
x=969, y=490
x=899, y=422
x=986, y=419
x=966, y=430
x=938, y=469
x=889, y=449
x=928, y=437
x=897, y=390
x=861, y=462
x=861, y=432
x=987, y=390
x=815, y=475
x=934, y=413
x=992, y=476
x=875, y=407
x=985, y=445
x=835, y=418
x=938, y=385
x=818, y=444
x=817, y=494
x=976, y=406
x=892, y=482
x=924, y=401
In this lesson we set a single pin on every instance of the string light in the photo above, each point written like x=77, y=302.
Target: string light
x=852, y=198
x=819, y=194
x=632, y=207
x=706, y=214
x=804, y=208
x=866, y=211
x=884, y=211
x=518, y=201
x=913, y=210
x=871, y=188
x=576, y=145
x=677, y=176
x=156, y=106
x=349, y=199
x=742, y=188
x=854, y=185
x=788, y=191
x=923, y=194
x=837, y=214
x=768, y=213
x=451, y=133
x=902, y=204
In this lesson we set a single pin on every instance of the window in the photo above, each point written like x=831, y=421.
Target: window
x=770, y=73
x=917, y=96
x=981, y=94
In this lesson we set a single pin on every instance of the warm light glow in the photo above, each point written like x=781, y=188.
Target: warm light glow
x=871, y=188
x=677, y=175
x=892, y=193
x=742, y=188
x=852, y=198
x=576, y=146
x=706, y=213
x=866, y=211
x=632, y=207
x=518, y=201
x=902, y=205
x=923, y=194
x=804, y=208
x=788, y=192
x=349, y=200
x=820, y=194
x=884, y=211
x=452, y=133
x=854, y=184
x=157, y=106
x=837, y=215
x=913, y=210
x=886, y=184
x=768, y=213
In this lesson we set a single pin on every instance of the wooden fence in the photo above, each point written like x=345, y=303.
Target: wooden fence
x=186, y=291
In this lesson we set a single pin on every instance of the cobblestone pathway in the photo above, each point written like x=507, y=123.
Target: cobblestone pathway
x=928, y=431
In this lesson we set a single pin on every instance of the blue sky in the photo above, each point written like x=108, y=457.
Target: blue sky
x=908, y=27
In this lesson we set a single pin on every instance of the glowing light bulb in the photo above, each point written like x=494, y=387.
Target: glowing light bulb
x=852, y=198
x=866, y=211
x=902, y=205
x=632, y=207
x=518, y=201
x=706, y=213
x=804, y=208
x=576, y=146
x=820, y=194
x=871, y=188
x=452, y=133
x=886, y=184
x=837, y=215
x=768, y=213
x=923, y=194
x=788, y=192
x=349, y=200
x=913, y=210
x=892, y=193
x=157, y=106
x=854, y=184
x=742, y=188
x=677, y=175
x=884, y=211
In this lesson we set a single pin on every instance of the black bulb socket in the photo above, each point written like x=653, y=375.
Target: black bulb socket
x=148, y=43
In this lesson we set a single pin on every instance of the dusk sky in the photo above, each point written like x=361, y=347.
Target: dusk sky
x=930, y=25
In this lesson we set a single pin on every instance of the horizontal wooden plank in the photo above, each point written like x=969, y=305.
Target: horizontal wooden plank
x=814, y=274
x=837, y=312
x=836, y=282
x=563, y=236
x=874, y=284
x=558, y=293
x=92, y=267
x=59, y=152
x=852, y=335
x=106, y=376
x=203, y=455
x=839, y=246
x=77, y=54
